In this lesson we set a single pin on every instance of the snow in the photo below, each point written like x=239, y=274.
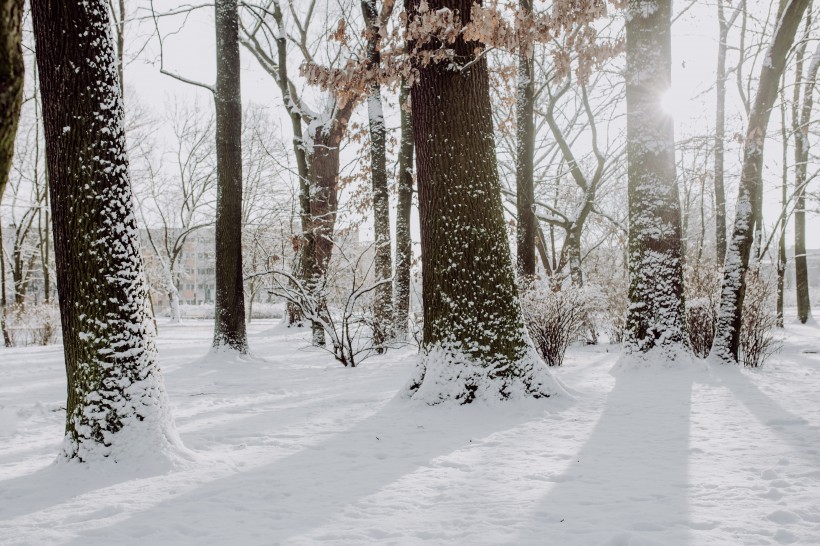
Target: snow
x=289, y=447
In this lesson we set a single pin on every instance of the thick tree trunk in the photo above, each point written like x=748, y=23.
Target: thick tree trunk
x=404, y=243
x=727, y=337
x=382, y=304
x=801, y=157
x=524, y=160
x=229, y=311
x=11, y=81
x=474, y=342
x=656, y=311
x=116, y=400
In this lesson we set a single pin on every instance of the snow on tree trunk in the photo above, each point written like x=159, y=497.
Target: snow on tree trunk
x=404, y=243
x=173, y=300
x=117, y=406
x=474, y=342
x=229, y=310
x=655, y=318
x=727, y=336
x=11, y=81
x=525, y=158
x=382, y=304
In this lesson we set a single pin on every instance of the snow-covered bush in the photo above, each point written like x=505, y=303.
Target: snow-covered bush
x=759, y=321
x=32, y=324
x=555, y=317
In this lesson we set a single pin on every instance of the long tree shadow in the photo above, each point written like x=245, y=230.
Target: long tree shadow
x=794, y=429
x=299, y=492
x=629, y=481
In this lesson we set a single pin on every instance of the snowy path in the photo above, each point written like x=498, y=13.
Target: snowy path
x=296, y=450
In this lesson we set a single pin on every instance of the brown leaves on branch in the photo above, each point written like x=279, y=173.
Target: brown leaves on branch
x=430, y=36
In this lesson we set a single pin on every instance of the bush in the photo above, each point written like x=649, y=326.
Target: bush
x=701, y=321
x=759, y=321
x=554, y=317
x=702, y=293
x=32, y=324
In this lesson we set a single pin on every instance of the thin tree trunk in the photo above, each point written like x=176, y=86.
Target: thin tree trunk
x=656, y=311
x=116, y=404
x=525, y=158
x=784, y=185
x=229, y=311
x=720, y=133
x=11, y=81
x=474, y=342
x=382, y=304
x=727, y=337
x=404, y=244
x=801, y=153
x=3, y=302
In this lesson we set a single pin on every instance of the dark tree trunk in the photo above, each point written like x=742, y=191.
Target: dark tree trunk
x=801, y=157
x=382, y=312
x=11, y=81
x=404, y=243
x=727, y=336
x=116, y=400
x=656, y=310
x=524, y=160
x=229, y=313
x=474, y=342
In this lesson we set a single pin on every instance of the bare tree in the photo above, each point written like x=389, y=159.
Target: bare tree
x=11, y=81
x=727, y=337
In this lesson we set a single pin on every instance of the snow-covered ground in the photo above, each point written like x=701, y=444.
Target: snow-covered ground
x=293, y=449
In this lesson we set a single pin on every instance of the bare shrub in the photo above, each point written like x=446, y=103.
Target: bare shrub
x=554, y=317
x=759, y=321
x=702, y=292
x=343, y=307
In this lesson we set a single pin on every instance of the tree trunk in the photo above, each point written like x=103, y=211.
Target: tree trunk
x=656, y=311
x=720, y=135
x=801, y=156
x=727, y=337
x=525, y=158
x=404, y=243
x=474, y=343
x=784, y=200
x=382, y=304
x=116, y=400
x=11, y=81
x=3, y=302
x=229, y=310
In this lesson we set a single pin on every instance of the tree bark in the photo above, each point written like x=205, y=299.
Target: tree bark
x=525, y=158
x=474, y=344
x=720, y=132
x=116, y=399
x=382, y=304
x=404, y=243
x=801, y=157
x=11, y=81
x=656, y=312
x=727, y=337
x=229, y=311
x=784, y=197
